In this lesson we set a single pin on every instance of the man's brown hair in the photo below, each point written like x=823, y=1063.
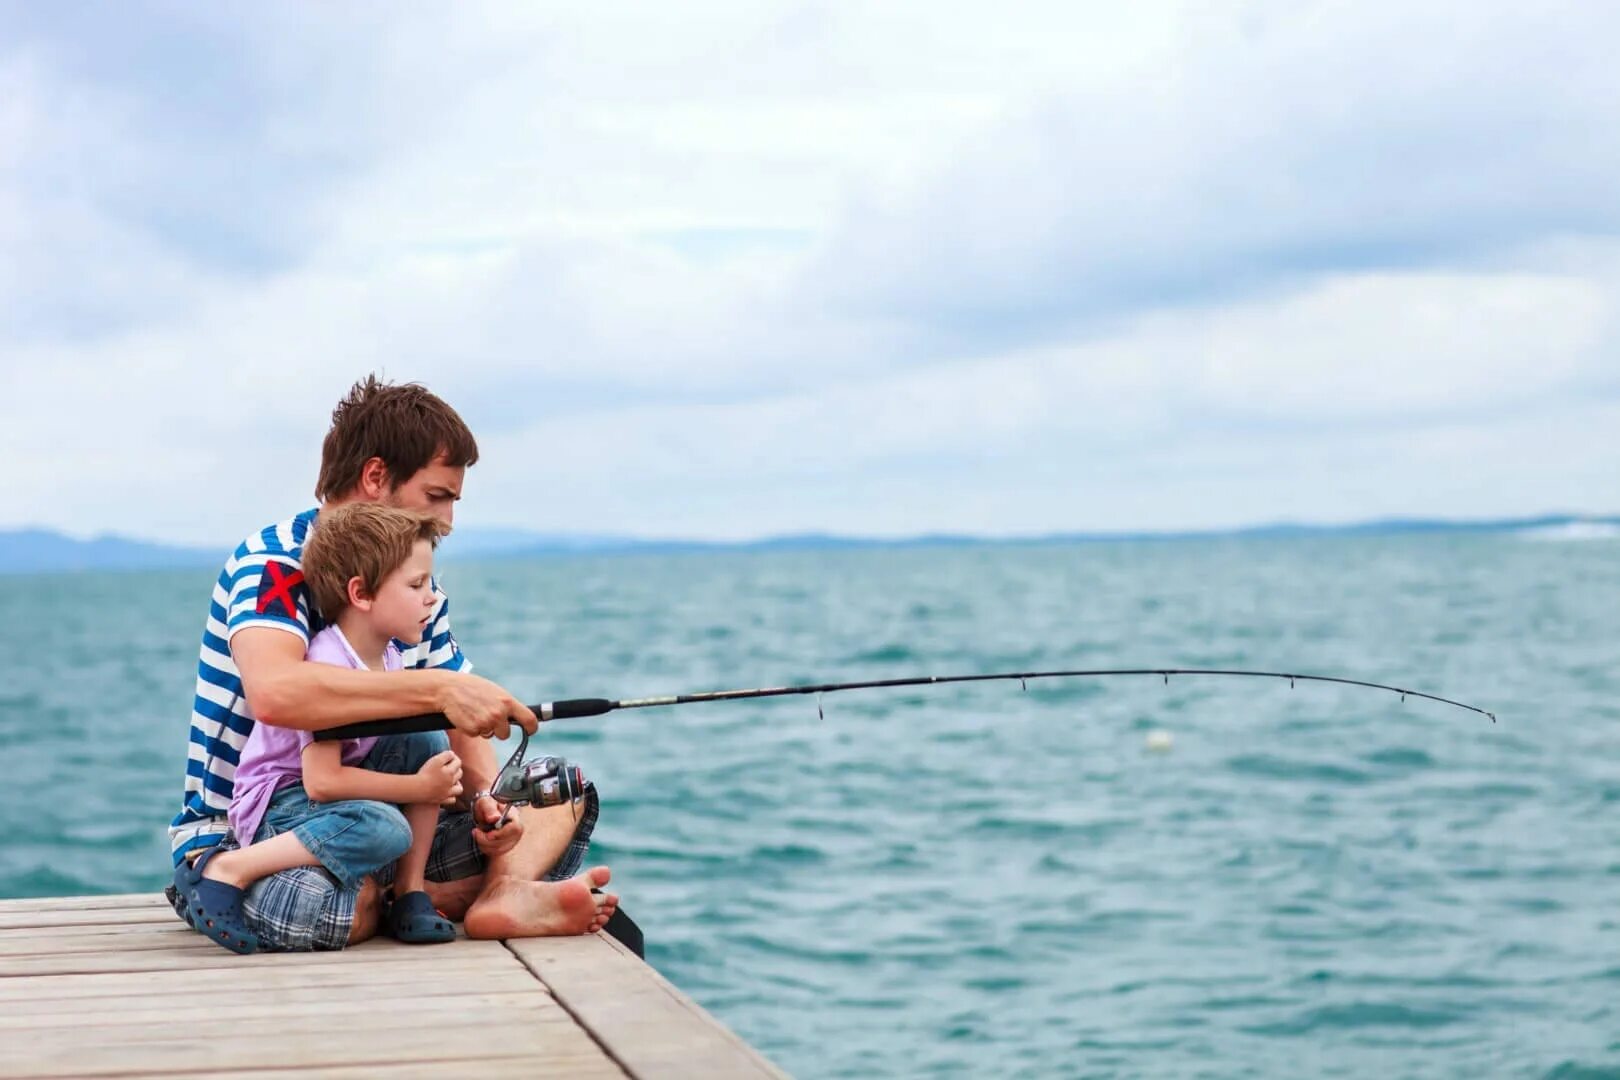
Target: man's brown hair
x=407, y=426
x=364, y=540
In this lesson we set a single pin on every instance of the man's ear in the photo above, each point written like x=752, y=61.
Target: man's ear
x=375, y=482
x=358, y=596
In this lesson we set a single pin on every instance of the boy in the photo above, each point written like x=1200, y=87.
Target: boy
x=307, y=803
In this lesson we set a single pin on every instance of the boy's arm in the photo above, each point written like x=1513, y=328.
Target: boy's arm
x=282, y=689
x=479, y=766
x=327, y=779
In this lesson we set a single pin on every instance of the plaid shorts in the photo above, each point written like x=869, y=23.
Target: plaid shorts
x=305, y=908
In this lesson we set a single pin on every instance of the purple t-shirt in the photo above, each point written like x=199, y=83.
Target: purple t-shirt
x=273, y=757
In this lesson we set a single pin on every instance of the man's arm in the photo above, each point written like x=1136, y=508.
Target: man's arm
x=282, y=689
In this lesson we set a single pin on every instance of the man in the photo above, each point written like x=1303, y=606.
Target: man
x=405, y=447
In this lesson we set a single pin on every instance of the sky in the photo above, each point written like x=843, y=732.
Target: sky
x=730, y=270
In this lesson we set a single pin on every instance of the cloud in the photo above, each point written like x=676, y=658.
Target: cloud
x=1364, y=378
x=735, y=268
x=1248, y=156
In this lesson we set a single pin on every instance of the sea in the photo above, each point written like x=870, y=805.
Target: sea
x=1129, y=876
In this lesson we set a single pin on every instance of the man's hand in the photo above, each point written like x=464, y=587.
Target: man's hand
x=479, y=707
x=440, y=778
x=491, y=841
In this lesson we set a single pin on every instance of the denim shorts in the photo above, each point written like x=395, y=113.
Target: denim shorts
x=306, y=908
x=354, y=837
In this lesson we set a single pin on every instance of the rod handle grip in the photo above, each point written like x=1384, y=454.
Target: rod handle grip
x=567, y=709
x=400, y=725
x=573, y=707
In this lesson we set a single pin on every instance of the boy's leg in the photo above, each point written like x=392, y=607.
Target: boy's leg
x=243, y=866
x=301, y=909
x=424, y=821
x=452, y=882
x=351, y=839
x=412, y=916
x=335, y=903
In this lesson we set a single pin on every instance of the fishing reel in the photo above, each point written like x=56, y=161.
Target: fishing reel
x=547, y=781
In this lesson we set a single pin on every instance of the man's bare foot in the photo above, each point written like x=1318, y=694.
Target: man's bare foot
x=367, y=911
x=455, y=898
x=511, y=908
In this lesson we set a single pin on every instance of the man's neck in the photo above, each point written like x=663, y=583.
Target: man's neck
x=370, y=646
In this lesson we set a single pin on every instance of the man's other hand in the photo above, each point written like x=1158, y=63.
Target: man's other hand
x=492, y=841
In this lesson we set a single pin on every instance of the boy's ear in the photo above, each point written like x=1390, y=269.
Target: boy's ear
x=358, y=596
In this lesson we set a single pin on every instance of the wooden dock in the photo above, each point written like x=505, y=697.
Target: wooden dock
x=118, y=986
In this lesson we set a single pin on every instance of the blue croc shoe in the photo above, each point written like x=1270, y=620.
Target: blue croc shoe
x=213, y=907
x=412, y=918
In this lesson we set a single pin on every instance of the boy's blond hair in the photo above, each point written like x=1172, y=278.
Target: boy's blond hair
x=361, y=540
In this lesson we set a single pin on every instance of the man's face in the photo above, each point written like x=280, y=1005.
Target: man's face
x=435, y=489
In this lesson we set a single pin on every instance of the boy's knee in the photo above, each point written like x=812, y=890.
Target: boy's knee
x=421, y=746
x=385, y=831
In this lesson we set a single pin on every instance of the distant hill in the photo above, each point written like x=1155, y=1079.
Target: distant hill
x=32, y=551
x=517, y=544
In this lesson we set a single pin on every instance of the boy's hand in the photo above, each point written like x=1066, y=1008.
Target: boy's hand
x=490, y=840
x=440, y=778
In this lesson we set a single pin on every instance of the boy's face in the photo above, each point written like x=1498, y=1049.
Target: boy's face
x=404, y=601
x=435, y=489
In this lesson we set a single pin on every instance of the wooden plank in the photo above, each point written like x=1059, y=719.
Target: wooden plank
x=178, y=938
x=288, y=1009
x=383, y=1017
x=557, y=1050
x=117, y=999
x=85, y=903
x=215, y=958
x=510, y=1068
x=71, y=917
x=28, y=933
x=650, y=1028
x=180, y=941
x=268, y=978
x=313, y=972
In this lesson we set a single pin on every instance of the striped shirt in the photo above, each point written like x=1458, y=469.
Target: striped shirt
x=262, y=585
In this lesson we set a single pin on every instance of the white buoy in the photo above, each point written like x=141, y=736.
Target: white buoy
x=1159, y=742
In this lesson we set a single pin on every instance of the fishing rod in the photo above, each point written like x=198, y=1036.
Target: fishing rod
x=550, y=781
x=572, y=708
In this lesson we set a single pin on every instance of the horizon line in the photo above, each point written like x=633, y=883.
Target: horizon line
x=520, y=536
